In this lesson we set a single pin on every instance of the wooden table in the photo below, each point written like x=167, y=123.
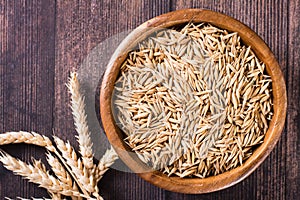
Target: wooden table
x=41, y=41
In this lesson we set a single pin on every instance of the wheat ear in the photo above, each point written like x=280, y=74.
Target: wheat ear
x=105, y=162
x=27, y=138
x=36, y=173
x=62, y=174
x=75, y=166
x=80, y=121
x=59, y=171
x=34, y=139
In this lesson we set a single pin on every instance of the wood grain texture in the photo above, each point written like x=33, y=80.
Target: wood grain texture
x=33, y=73
x=293, y=120
x=26, y=81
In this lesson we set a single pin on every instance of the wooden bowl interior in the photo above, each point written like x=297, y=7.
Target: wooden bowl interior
x=194, y=185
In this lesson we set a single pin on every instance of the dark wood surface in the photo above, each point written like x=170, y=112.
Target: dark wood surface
x=42, y=41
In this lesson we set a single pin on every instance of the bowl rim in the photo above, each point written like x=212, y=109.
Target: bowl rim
x=212, y=183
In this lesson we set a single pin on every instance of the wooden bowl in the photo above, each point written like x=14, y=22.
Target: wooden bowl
x=194, y=185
